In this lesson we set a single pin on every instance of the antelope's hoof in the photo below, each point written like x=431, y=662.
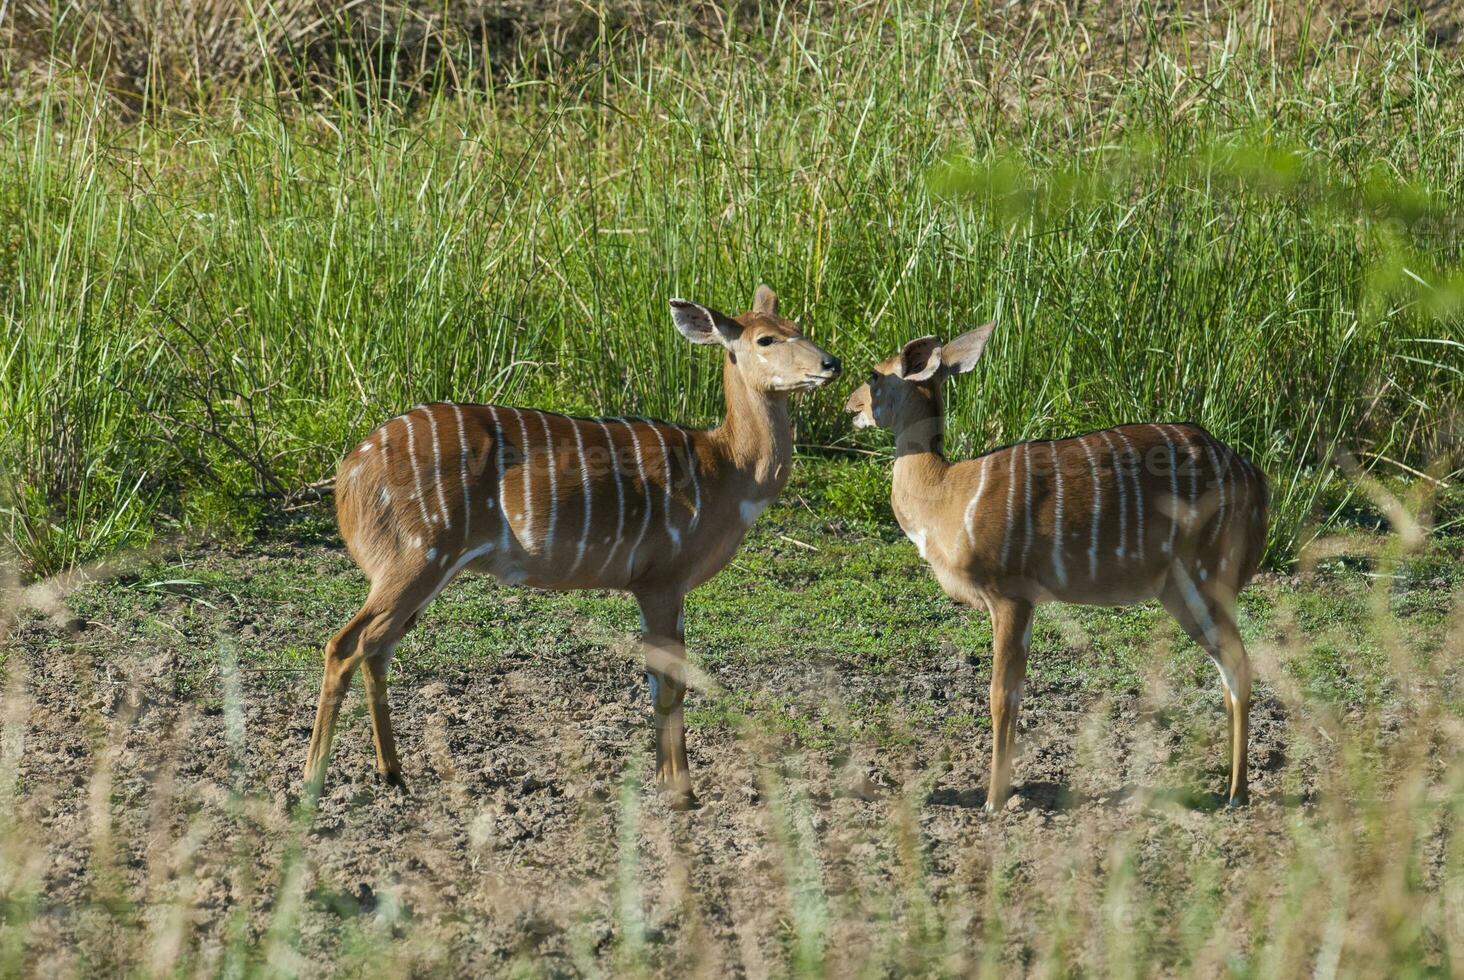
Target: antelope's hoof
x=1237, y=801
x=677, y=792
x=680, y=799
x=393, y=780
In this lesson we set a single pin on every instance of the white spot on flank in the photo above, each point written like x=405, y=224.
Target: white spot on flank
x=417, y=542
x=437, y=469
x=1204, y=574
x=675, y=537
x=778, y=380
x=751, y=509
x=385, y=496
x=365, y=448
x=431, y=554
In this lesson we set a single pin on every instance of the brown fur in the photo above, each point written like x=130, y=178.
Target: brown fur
x=558, y=502
x=1112, y=517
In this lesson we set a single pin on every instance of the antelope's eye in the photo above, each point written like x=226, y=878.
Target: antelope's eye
x=766, y=340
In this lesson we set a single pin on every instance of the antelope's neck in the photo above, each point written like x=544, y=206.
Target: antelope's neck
x=756, y=436
x=920, y=463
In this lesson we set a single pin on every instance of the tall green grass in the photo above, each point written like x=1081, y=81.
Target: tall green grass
x=201, y=307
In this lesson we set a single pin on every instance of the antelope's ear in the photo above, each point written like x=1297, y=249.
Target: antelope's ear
x=960, y=354
x=920, y=359
x=765, y=301
x=701, y=325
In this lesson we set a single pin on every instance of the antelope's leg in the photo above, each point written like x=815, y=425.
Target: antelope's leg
x=389, y=611
x=340, y=663
x=1011, y=623
x=663, y=639
x=388, y=766
x=1209, y=619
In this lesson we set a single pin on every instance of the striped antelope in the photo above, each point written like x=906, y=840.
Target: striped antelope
x=556, y=502
x=1109, y=518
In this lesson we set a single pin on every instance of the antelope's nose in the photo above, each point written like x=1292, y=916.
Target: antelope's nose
x=831, y=364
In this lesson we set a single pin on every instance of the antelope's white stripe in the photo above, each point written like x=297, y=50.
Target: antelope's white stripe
x=1197, y=608
x=1122, y=496
x=672, y=533
x=1194, y=463
x=640, y=468
x=1058, y=567
x=619, y=495
x=457, y=566
x=527, y=466
x=412, y=461
x=1140, y=518
x=579, y=448
x=551, y=462
x=1173, y=489
x=1194, y=494
x=695, y=480
x=502, y=475
x=970, y=514
x=1094, y=521
x=1222, y=478
x=1027, y=498
x=437, y=467
x=1219, y=485
x=457, y=411
x=1006, y=534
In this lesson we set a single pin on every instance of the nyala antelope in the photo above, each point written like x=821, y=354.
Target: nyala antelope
x=557, y=502
x=1109, y=518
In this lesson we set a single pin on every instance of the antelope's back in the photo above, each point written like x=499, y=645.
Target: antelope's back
x=538, y=497
x=1103, y=516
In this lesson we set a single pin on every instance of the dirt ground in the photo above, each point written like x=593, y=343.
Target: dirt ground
x=139, y=780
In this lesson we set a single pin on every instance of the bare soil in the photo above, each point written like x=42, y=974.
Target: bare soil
x=140, y=778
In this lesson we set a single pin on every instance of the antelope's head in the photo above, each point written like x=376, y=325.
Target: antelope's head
x=770, y=353
x=914, y=373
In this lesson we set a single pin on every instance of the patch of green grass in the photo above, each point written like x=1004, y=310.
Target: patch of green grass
x=200, y=307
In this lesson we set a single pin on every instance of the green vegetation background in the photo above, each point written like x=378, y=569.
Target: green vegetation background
x=207, y=297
